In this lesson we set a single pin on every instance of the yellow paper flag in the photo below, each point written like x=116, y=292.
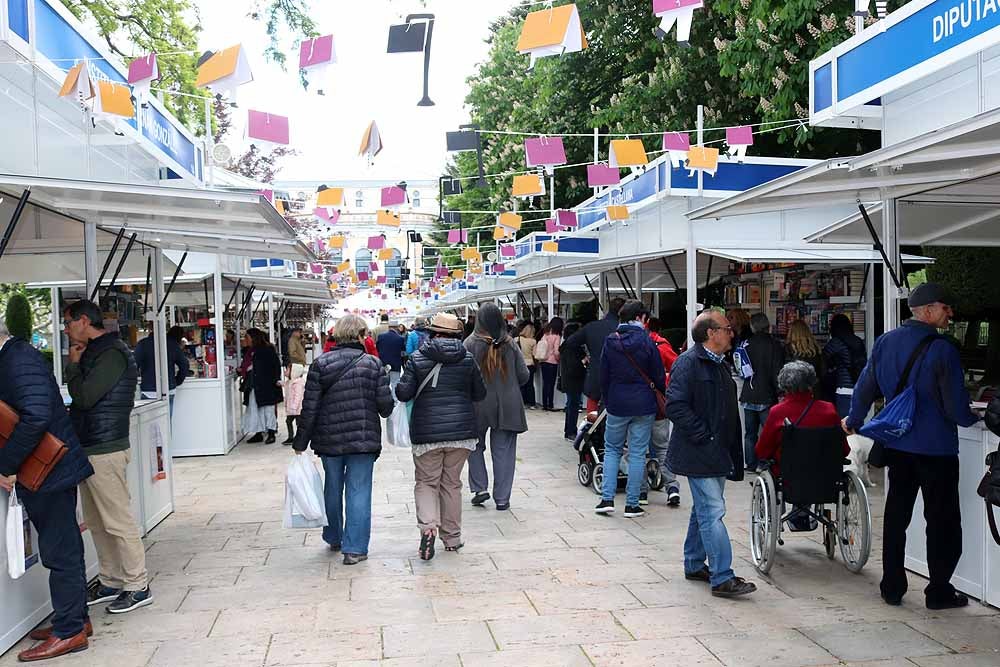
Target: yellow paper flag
x=703, y=157
x=471, y=255
x=343, y=268
x=528, y=185
x=458, y=274
x=330, y=197
x=385, y=254
x=550, y=246
x=499, y=234
x=116, y=99
x=547, y=27
x=387, y=219
x=628, y=153
x=336, y=241
x=220, y=65
x=510, y=221
x=72, y=76
x=618, y=213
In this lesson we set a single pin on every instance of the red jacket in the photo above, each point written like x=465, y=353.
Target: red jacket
x=666, y=350
x=370, y=346
x=820, y=415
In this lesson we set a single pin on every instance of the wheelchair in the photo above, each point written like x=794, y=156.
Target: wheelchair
x=812, y=478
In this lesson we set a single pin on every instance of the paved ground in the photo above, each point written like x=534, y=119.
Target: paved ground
x=547, y=583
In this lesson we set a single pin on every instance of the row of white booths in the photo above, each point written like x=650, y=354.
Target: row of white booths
x=936, y=182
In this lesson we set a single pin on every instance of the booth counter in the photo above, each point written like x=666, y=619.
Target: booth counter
x=207, y=416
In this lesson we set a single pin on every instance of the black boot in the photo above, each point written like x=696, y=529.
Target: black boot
x=290, y=424
x=272, y=437
x=259, y=437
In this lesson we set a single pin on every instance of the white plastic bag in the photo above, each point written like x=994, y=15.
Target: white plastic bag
x=15, y=536
x=305, y=505
x=399, y=426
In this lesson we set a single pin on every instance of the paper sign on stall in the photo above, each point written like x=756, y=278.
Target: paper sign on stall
x=373, y=266
x=601, y=175
x=547, y=152
x=704, y=158
x=380, y=280
x=267, y=129
x=738, y=139
x=627, y=153
x=224, y=72
x=458, y=236
x=552, y=32
x=113, y=100
x=376, y=242
x=677, y=145
x=142, y=72
x=315, y=57
x=618, y=213
x=551, y=227
x=529, y=185
x=387, y=219
x=393, y=196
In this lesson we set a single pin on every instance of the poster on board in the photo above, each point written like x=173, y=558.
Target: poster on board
x=156, y=463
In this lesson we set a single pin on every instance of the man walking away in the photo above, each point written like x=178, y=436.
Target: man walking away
x=760, y=392
x=589, y=342
x=925, y=459
x=28, y=387
x=390, y=347
x=383, y=326
x=705, y=448
x=102, y=378
x=629, y=365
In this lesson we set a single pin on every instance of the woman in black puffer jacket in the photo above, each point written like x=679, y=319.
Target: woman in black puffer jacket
x=443, y=381
x=346, y=392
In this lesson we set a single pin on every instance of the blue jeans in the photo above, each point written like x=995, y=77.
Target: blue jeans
x=638, y=429
x=707, y=536
x=572, y=414
x=349, y=482
x=754, y=422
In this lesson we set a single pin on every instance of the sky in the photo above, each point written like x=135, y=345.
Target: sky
x=366, y=84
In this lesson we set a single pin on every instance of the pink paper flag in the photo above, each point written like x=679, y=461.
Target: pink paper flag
x=267, y=194
x=381, y=280
x=551, y=227
x=427, y=295
x=458, y=236
x=317, y=268
x=601, y=175
x=377, y=291
x=545, y=151
x=330, y=216
x=507, y=250
x=676, y=141
x=373, y=266
x=316, y=51
x=362, y=276
x=376, y=242
x=567, y=219
x=267, y=127
x=143, y=69
x=393, y=196
x=385, y=297
x=499, y=268
x=739, y=136
x=662, y=6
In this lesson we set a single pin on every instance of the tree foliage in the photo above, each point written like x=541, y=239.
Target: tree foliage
x=969, y=273
x=39, y=307
x=17, y=316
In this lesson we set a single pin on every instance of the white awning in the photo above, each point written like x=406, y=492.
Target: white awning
x=290, y=288
x=221, y=223
x=593, y=267
x=808, y=254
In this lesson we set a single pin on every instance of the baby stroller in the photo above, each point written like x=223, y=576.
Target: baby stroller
x=589, y=443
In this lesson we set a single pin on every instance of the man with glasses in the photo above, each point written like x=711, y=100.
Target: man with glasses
x=926, y=458
x=706, y=447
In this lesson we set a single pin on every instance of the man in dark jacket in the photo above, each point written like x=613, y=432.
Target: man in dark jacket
x=390, y=346
x=177, y=363
x=102, y=378
x=572, y=373
x=589, y=341
x=28, y=387
x=705, y=448
x=760, y=392
x=925, y=459
x=629, y=364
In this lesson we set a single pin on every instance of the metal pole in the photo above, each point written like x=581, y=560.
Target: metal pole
x=691, y=281
x=107, y=262
x=121, y=264
x=638, y=280
x=893, y=288
x=233, y=297
x=170, y=287
x=597, y=151
x=22, y=201
x=149, y=274
x=209, y=141
x=551, y=299
x=701, y=142
x=90, y=255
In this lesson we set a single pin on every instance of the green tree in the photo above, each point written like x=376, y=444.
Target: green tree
x=39, y=305
x=18, y=316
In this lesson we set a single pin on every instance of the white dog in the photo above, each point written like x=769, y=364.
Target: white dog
x=860, y=448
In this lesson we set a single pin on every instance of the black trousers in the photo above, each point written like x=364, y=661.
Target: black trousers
x=60, y=548
x=550, y=373
x=936, y=477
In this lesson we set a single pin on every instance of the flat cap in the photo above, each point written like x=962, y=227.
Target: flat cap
x=928, y=293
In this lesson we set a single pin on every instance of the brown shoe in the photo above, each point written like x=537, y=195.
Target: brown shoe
x=53, y=647
x=41, y=634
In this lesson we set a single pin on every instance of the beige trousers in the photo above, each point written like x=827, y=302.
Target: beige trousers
x=438, y=492
x=107, y=509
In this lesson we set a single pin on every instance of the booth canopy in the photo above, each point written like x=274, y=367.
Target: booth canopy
x=292, y=289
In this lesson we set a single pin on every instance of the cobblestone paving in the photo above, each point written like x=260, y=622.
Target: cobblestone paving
x=547, y=583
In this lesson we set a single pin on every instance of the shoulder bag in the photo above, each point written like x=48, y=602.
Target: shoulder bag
x=989, y=487
x=46, y=456
x=661, y=399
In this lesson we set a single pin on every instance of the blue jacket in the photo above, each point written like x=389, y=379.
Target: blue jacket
x=390, y=349
x=414, y=340
x=145, y=359
x=625, y=392
x=701, y=403
x=29, y=388
x=942, y=400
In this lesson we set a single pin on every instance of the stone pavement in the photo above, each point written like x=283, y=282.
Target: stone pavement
x=547, y=583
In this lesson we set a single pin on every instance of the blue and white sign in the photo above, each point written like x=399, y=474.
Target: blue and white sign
x=918, y=39
x=575, y=246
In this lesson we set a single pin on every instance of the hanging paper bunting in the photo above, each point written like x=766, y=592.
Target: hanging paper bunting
x=511, y=221
x=142, y=72
x=507, y=250
x=498, y=269
x=387, y=219
x=371, y=142
x=679, y=11
x=315, y=57
x=376, y=242
x=224, y=72
x=458, y=236
x=552, y=32
x=618, y=213
x=337, y=241
x=267, y=130
x=380, y=280
x=738, y=139
x=329, y=216
x=458, y=274
x=362, y=276
x=467, y=140
x=78, y=85
x=627, y=153
x=344, y=267
x=471, y=255
x=393, y=196
x=677, y=145
x=113, y=100
x=550, y=247
x=500, y=234
x=567, y=219
x=451, y=187
x=412, y=37
x=529, y=185
x=547, y=152
x=703, y=158
x=601, y=175
x=386, y=254
x=551, y=227
x=373, y=267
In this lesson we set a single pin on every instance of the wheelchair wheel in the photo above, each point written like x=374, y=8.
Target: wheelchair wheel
x=854, y=523
x=584, y=473
x=597, y=479
x=654, y=475
x=765, y=522
x=829, y=533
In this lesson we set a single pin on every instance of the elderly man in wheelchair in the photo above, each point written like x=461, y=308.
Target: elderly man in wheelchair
x=801, y=451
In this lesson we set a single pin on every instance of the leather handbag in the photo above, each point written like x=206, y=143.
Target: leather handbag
x=661, y=399
x=46, y=456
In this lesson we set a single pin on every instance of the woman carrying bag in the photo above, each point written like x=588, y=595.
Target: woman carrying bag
x=502, y=413
x=346, y=393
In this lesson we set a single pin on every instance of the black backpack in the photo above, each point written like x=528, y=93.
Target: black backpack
x=989, y=487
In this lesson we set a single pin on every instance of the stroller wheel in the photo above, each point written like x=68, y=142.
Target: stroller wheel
x=654, y=475
x=597, y=479
x=584, y=473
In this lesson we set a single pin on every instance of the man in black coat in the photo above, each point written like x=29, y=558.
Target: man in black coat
x=589, y=341
x=760, y=392
x=28, y=387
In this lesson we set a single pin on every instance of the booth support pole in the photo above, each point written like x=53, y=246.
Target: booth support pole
x=870, y=309
x=602, y=291
x=157, y=326
x=890, y=241
x=221, y=371
x=691, y=281
x=550, y=301
x=270, y=316
x=90, y=255
x=56, y=335
x=637, y=270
